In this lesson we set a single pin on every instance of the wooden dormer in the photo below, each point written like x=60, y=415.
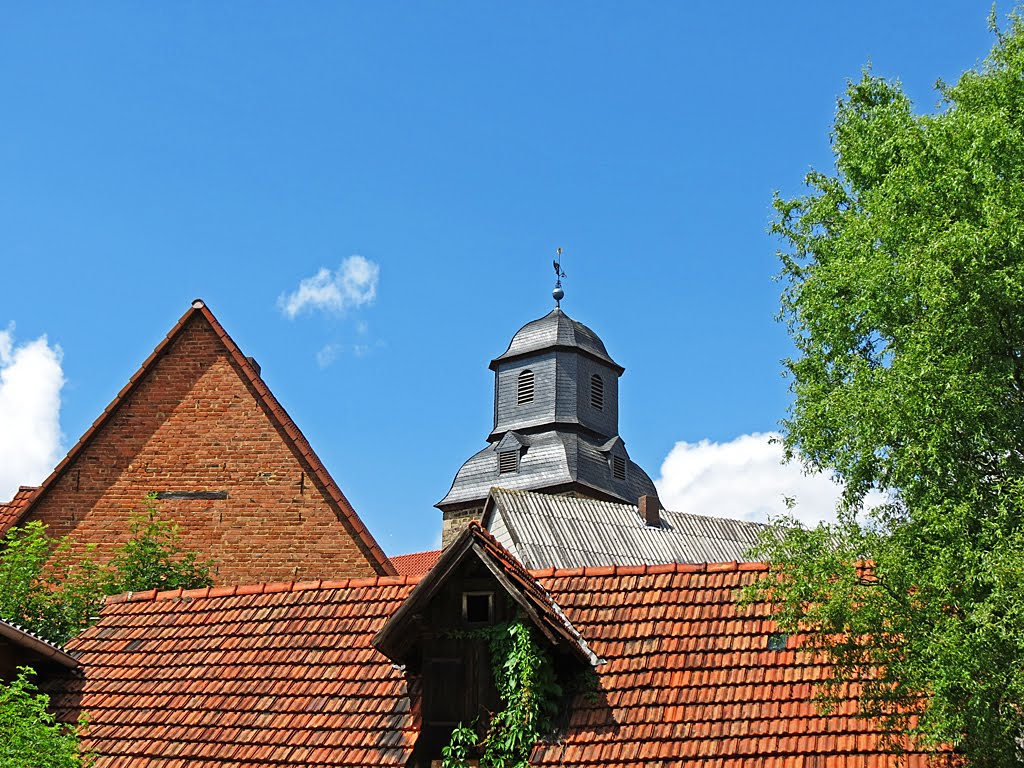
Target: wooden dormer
x=475, y=584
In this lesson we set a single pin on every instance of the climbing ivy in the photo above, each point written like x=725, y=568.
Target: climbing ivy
x=525, y=678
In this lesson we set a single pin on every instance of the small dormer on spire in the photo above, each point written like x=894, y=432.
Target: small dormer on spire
x=558, y=294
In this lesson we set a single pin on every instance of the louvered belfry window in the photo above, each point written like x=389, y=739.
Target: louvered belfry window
x=619, y=467
x=508, y=462
x=597, y=392
x=524, y=392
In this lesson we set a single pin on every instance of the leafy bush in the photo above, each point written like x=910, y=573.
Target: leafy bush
x=31, y=736
x=44, y=586
x=153, y=557
x=49, y=588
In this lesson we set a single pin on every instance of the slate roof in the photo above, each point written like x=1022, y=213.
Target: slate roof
x=274, y=410
x=283, y=674
x=416, y=563
x=553, y=459
x=545, y=530
x=556, y=330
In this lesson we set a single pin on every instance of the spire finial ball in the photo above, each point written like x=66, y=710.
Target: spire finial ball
x=558, y=293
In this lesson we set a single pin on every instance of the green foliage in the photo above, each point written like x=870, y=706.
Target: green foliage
x=49, y=588
x=456, y=753
x=526, y=680
x=45, y=587
x=153, y=557
x=904, y=289
x=29, y=735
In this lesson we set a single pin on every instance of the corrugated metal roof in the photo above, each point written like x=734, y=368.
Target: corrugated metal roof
x=547, y=531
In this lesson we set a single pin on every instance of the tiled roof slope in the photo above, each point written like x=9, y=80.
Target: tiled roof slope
x=273, y=674
x=284, y=675
x=416, y=563
x=274, y=410
x=12, y=511
x=549, y=531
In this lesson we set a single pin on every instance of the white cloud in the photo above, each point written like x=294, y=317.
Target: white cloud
x=31, y=379
x=353, y=284
x=327, y=355
x=743, y=479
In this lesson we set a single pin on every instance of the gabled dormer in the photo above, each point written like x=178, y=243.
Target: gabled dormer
x=509, y=451
x=439, y=636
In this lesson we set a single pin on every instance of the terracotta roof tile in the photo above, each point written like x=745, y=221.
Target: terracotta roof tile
x=416, y=563
x=285, y=674
x=12, y=511
x=11, y=516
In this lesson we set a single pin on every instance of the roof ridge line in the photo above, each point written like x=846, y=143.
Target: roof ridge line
x=648, y=569
x=258, y=588
x=303, y=446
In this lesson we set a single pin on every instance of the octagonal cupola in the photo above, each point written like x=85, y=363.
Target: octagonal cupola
x=556, y=424
x=556, y=371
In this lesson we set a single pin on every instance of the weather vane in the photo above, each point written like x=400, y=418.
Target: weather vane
x=558, y=293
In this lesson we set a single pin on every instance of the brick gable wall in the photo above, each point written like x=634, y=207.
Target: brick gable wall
x=193, y=422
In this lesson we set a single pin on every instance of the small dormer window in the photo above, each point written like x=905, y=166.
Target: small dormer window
x=619, y=467
x=524, y=392
x=478, y=607
x=597, y=392
x=508, y=462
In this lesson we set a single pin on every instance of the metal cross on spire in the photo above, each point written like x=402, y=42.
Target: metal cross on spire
x=558, y=293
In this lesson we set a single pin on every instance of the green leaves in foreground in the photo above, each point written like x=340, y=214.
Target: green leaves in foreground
x=153, y=557
x=55, y=590
x=904, y=296
x=29, y=735
x=47, y=587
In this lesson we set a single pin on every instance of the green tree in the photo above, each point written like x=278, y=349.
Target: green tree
x=55, y=591
x=46, y=587
x=29, y=734
x=904, y=295
x=153, y=557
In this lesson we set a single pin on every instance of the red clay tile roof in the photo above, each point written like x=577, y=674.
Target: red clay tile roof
x=416, y=563
x=268, y=402
x=12, y=511
x=283, y=674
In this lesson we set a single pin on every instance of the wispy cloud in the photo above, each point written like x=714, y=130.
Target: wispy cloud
x=31, y=379
x=327, y=354
x=353, y=284
x=743, y=479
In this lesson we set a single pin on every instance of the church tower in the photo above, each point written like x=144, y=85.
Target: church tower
x=556, y=424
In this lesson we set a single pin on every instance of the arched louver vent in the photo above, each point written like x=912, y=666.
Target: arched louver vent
x=524, y=392
x=619, y=467
x=597, y=392
x=508, y=462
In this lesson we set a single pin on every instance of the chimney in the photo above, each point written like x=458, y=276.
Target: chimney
x=650, y=510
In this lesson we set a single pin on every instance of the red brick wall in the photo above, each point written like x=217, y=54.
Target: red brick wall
x=193, y=423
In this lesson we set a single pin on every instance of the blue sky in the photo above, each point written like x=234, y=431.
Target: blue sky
x=154, y=153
